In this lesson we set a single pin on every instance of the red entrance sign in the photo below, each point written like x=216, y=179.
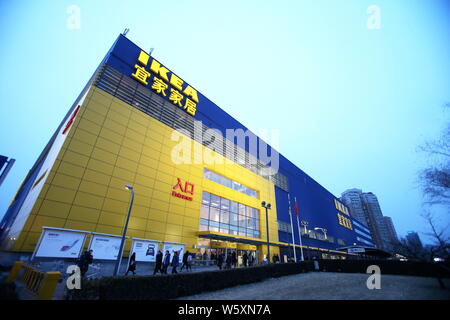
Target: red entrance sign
x=188, y=188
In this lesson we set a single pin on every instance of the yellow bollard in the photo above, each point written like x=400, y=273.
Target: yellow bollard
x=48, y=286
x=14, y=271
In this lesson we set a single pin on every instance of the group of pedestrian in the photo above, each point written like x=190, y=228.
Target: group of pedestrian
x=163, y=263
x=231, y=260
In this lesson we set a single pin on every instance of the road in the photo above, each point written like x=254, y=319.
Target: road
x=332, y=286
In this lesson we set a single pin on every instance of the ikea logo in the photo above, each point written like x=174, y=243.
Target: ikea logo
x=165, y=83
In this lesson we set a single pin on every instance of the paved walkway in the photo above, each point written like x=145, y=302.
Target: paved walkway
x=332, y=286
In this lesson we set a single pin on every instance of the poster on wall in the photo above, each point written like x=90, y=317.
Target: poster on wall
x=172, y=247
x=145, y=250
x=56, y=243
x=105, y=247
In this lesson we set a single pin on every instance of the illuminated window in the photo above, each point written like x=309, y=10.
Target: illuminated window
x=226, y=216
x=213, y=176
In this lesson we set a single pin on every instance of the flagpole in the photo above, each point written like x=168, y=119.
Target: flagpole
x=299, y=232
x=292, y=228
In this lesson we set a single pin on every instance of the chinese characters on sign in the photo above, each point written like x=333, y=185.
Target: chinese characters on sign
x=345, y=222
x=165, y=83
x=187, y=188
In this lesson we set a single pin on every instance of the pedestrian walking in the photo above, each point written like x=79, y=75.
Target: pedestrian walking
x=189, y=262
x=132, y=264
x=166, y=262
x=250, y=259
x=158, y=262
x=220, y=261
x=233, y=259
x=228, y=261
x=175, y=262
x=244, y=259
x=85, y=260
x=185, y=256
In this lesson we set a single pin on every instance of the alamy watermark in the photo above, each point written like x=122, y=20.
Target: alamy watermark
x=73, y=21
x=374, y=280
x=226, y=149
x=374, y=20
x=74, y=280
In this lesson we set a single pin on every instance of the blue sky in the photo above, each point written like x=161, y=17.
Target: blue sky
x=351, y=103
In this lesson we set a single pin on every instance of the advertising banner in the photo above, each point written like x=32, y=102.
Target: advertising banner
x=60, y=244
x=105, y=247
x=172, y=247
x=145, y=250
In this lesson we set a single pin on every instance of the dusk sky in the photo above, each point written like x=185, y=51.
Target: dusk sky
x=353, y=87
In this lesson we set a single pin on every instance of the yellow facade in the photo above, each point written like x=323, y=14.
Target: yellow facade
x=112, y=144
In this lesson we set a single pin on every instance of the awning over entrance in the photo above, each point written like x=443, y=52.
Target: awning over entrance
x=232, y=238
x=365, y=251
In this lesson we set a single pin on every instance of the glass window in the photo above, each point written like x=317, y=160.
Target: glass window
x=251, y=223
x=224, y=228
x=242, y=232
x=224, y=216
x=205, y=198
x=234, y=230
x=204, y=222
x=203, y=228
x=214, y=214
x=215, y=229
x=225, y=204
x=253, y=213
x=204, y=212
x=229, y=183
x=242, y=222
x=213, y=224
x=233, y=219
x=215, y=201
x=234, y=207
x=242, y=209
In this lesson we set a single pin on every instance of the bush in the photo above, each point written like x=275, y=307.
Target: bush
x=170, y=286
x=8, y=291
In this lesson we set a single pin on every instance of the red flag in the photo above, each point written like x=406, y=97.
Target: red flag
x=296, y=207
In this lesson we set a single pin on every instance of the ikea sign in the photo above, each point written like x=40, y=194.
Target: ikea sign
x=149, y=72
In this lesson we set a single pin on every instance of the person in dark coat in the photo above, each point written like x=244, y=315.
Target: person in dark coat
x=228, y=261
x=185, y=256
x=189, y=262
x=175, y=261
x=220, y=261
x=158, y=262
x=132, y=264
x=250, y=259
x=244, y=259
x=166, y=262
x=233, y=259
x=84, y=262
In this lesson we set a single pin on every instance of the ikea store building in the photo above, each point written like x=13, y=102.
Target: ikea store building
x=198, y=178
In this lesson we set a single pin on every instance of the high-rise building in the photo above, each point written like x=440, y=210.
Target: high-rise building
x=413, y=239
x=365, y=208
x=352, y=198
x=199, y=177
x=391, y=229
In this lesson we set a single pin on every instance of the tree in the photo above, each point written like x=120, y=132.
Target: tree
x=441, y=245
x=435, y=180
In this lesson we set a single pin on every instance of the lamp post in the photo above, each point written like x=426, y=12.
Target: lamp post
x=267, y=206
x=122, y=243
x=323, y=230
x=305, y=224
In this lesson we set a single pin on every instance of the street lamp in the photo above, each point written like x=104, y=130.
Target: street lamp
x=323, y=230
x=305, y=224
x=267, y=207
x=122, y=243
